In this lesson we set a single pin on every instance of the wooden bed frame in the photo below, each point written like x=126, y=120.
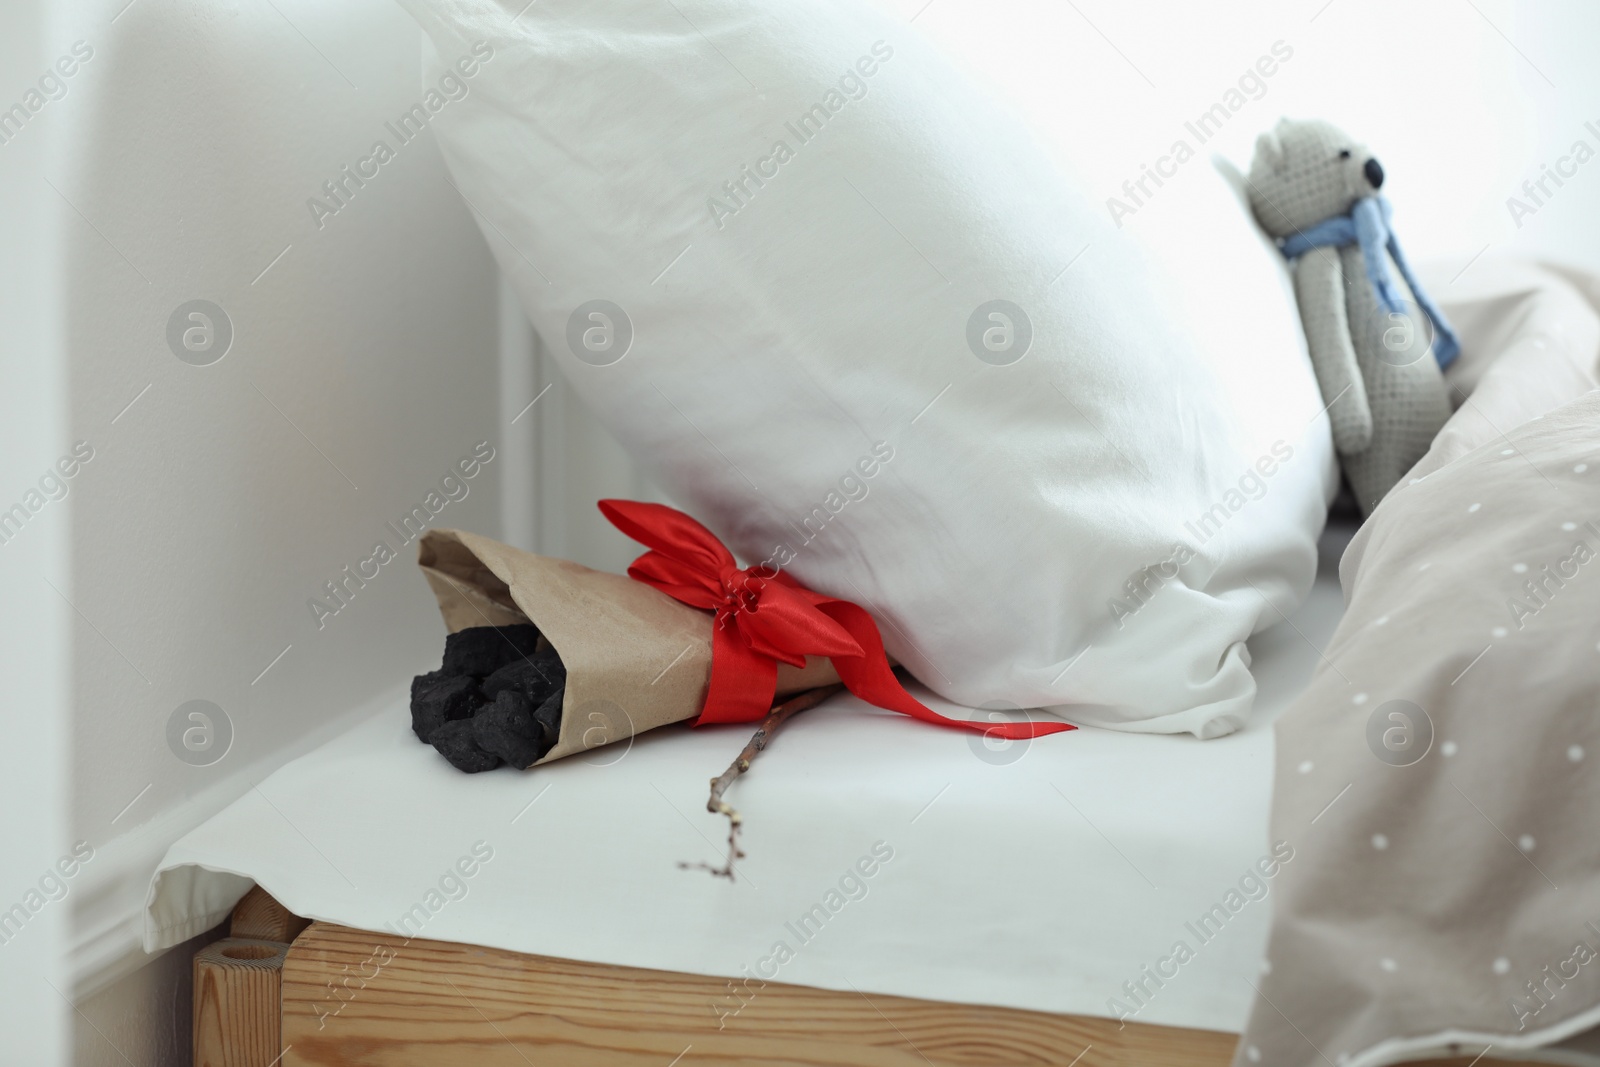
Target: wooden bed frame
x=281, y=990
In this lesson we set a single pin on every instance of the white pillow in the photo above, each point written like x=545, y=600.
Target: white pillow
x=791, y=258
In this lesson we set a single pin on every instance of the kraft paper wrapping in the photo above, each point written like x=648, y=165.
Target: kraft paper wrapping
x=636, y=659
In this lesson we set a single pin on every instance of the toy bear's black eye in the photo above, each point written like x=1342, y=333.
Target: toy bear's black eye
x=1344, y=153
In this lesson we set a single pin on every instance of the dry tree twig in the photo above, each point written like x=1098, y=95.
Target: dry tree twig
x=758, y=743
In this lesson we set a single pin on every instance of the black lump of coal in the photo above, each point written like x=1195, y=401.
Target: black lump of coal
x=457, y=742
x=548, y=717
x=496, y=699
x=535, y=677
x=479, y=651
x=438, y=698
x=507, y=729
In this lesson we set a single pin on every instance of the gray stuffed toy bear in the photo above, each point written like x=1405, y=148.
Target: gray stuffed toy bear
x=1377, y=342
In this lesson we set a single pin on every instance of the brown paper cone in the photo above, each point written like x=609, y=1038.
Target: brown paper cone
x=636, y=659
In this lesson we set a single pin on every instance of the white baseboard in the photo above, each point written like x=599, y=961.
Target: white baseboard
x=108, y=896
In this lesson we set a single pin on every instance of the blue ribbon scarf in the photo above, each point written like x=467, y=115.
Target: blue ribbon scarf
x=1368, y=225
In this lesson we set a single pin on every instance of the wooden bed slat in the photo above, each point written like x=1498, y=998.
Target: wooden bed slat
x=434, y=1004
x=258, y=915
x=236, y=1003
x=353, y=998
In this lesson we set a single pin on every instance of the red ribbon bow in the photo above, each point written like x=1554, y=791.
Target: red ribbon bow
x=763, y=618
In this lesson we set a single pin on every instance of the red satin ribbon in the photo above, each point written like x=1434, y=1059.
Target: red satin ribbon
x=764, y=619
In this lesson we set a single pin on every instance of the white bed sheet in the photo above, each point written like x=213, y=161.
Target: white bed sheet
x=1045, y=880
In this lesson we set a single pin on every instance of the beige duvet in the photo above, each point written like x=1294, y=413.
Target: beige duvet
x=1440, y=778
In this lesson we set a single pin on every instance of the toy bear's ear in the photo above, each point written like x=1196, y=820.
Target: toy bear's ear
x=1269, y=150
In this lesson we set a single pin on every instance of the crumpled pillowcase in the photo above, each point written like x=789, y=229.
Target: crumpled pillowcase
x=848, y=314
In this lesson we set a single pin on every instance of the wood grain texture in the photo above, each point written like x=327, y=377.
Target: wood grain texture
x=258, y=915
x=237, y=997
x=357, y=999
x=433, y=1004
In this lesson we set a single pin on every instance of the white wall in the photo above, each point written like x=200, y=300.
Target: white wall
x=364, y=363
x=34, y=626
x=1461, y=101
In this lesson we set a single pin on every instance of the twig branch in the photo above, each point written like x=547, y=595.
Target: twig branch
x=758, y=743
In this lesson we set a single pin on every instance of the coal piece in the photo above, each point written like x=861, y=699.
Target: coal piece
x=437, y=698
x=548, y=716
x=479, y=651
x=507, y=729
x=457, y=742
x=535, y=677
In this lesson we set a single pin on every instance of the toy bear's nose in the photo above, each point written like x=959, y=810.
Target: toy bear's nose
x=1374, y=173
